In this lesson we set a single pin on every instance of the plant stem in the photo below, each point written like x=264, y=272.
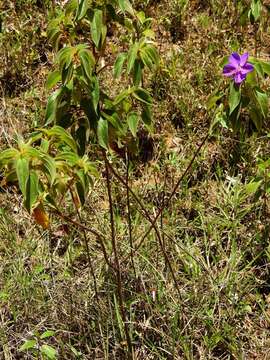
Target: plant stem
x=129, y=215
x=148, y=217
x=98, y=236
x=92, y=272
x=116, y=259
x=166, y=203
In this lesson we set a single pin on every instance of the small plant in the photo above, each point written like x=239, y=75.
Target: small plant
x=259, y=186
x=53, y=165
x=37, y=345
x=245, y=97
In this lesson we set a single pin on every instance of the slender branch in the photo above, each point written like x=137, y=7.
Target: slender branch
x=148, y=217
x=129, y=215
x=98, y=236
x=117, y=262
x=92, y=272
x=166, y=203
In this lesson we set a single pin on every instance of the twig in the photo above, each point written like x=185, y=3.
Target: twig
x=86, y=246
x=148, y=217
x=153, y=221
x=98, y=236
x=129, y=215
x=117, y=263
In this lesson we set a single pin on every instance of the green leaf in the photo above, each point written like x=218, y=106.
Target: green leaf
x=32, y=190
x=22, y=171
x=7, y=155
x=266, y=67
x=46, y=334
x=263, y=102
x=64, y=57
x=64, y=136
x=28, y=344
x=118, y=65
x=96, y=23
x=71, y=6
x=256, y=8
x=81, y=186
x=82, y=9
x=259, y=69
x=149, y=33
x=48, y=351
x=234, y=97
x=114, y=119
x=87, y=61
x=219, y=118
x=67, y=74
x=131, y=56
x=133, y=120
x=52, y=107
x=54, y=36
x=53, y=78
x=102, y=132
x=149, y=56
x=252, y=187
x=147, y=115
x=126, y=6
x=256, y=116
x=119, y=98
x=67, y=156
x=212, y=100
x=49, y=166
x=95, y=92
x=137, y=72
x=103, y=34
x=143, y=96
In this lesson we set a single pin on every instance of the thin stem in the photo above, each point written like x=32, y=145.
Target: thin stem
x=92, y=272
x=129, y=215
x=148, y=217
x=117, y=262
x=166, y=203
x=99, y=237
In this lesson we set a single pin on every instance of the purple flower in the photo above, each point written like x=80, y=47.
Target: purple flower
x=238, y=67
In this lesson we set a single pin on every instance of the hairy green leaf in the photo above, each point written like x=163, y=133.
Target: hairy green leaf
x=118, y=65
x=22, y=171
x=102, y=132
x=32, y=190
x=87, y=61
x=143, y=96
x=48, y=351
x=234, y=97
x=133, y=120
x=28, y=344
x=96, y=23
x=53, y=78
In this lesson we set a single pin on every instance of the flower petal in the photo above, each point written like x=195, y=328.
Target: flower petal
x=238, y=78
x=244, y=58
x=229, y=70
x=235, y=59
x=247, y=68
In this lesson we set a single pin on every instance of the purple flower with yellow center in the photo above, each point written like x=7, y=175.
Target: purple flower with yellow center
x=238, y=67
